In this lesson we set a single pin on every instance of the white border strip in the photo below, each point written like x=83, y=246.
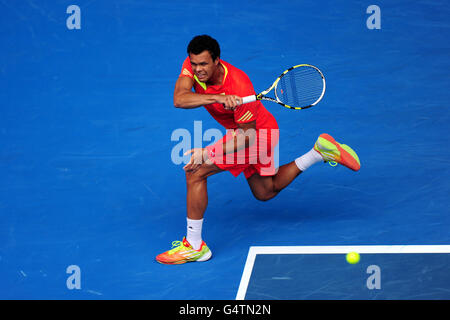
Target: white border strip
x=253, y=251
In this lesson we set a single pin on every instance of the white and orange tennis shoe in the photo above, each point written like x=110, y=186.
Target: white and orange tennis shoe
x=183, y=252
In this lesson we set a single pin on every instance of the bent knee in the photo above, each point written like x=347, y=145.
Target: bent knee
x=194, y=176
x=264, y=196
x=203, y=172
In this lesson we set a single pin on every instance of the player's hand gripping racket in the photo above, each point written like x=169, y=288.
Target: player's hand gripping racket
x=299, y=87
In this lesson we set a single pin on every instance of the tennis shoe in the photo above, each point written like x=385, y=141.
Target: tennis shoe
x=182, y=252
x=333, y=151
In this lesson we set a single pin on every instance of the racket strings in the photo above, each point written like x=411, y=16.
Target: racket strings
x=300, y=87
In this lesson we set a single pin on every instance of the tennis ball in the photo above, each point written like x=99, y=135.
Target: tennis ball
x=352, y=257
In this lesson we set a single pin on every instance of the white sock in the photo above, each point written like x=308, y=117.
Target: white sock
x=194, y=233
x=308, y=159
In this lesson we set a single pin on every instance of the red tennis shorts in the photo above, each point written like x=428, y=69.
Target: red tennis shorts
x=261, y=157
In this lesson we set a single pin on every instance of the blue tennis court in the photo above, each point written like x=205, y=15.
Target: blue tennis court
x=89, y=191
x=322, y=273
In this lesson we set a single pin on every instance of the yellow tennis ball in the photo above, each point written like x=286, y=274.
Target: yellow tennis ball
x=352, y=257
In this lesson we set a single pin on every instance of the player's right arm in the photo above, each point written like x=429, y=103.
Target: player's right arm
x=184, y=98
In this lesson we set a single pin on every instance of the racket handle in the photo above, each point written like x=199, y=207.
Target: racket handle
x=248, y=99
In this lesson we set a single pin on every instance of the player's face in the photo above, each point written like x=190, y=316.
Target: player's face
x=203, y=65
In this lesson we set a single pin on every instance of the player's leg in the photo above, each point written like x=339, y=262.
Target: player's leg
x=264, y=179
x=197, y=201
x=325, y=149
x=197, y=194
x=192, y=247
x=266, y=187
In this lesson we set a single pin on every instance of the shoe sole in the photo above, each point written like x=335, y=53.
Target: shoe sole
x=205, y=257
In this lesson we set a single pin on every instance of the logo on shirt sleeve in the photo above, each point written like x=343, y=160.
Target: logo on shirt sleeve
x=247, y=116
x=186, y=73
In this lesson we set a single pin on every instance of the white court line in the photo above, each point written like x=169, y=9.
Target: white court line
x=253, y=251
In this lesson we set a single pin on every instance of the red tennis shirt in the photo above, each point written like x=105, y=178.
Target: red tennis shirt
x=235, y=82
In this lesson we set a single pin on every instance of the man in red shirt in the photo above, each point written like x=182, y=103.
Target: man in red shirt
x=248, y=146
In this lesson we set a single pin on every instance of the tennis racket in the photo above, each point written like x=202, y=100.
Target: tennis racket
x=299, y=87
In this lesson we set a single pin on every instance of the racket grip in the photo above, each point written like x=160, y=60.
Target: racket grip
x=248, y=99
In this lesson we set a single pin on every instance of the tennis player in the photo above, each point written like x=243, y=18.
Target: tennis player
x=248, y=146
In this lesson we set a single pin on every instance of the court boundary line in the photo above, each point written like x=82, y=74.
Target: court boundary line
x=254, y=250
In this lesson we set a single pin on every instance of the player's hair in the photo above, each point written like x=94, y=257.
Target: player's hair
x=204, y=42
